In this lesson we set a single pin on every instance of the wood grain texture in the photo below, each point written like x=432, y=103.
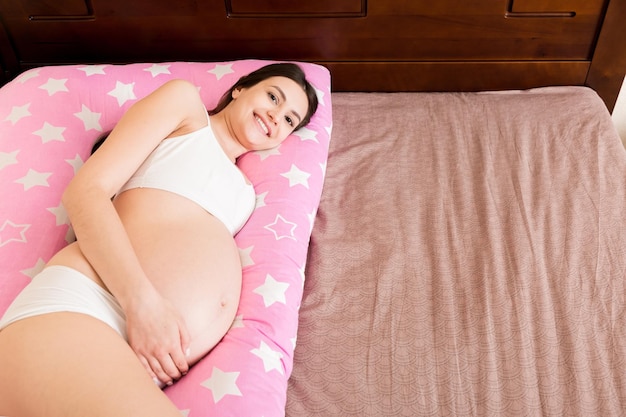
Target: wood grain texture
x=375, y=45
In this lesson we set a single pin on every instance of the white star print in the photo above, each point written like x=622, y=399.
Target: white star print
x=302, y=280
x=281, y=224
x=320, y=96
x=34, y=178
x=90, y=119
x=34, y=73
x=260, y=199
x=237, y=323
x=311, y=217
x=301, y=272
x=185, y=412
x=76, y=163
x=222, y=383
x=31, y=272
x=11, y=232
x=271, y=359
x=264, y=154
x=49, y=133
x=323, y=166
x=296, y=176
x=7, y=159
x=53, y=86
x=246, y=259
x=60, y=214
x=157, y=69
x=93, y=70
x=70, y=236
x=17, y=113
x=305, y=134
x=329, y=129
x=123, y=92
x=220, y=70
x=272, y=291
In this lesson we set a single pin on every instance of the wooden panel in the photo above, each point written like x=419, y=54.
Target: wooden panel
x=376, y=38
x=146, y=8
x=447, y=76
x=397, y=30
x=54, y=7
x=608, y=68
x=277, y=8
x=9, y=65
x=436, y=38
x=549, y=6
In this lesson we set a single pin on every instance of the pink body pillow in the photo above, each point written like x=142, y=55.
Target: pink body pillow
x=49, y=119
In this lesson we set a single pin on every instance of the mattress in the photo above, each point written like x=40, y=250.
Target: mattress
x=468, y=258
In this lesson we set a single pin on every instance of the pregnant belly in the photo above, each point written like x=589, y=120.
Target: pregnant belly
x=189, y=256
x=199, y=270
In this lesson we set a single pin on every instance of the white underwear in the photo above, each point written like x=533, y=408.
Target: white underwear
x=59, y=288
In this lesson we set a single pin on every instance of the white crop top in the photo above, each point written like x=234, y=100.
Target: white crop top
x=196, y=167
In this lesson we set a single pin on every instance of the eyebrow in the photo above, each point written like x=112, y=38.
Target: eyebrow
x=282, y=95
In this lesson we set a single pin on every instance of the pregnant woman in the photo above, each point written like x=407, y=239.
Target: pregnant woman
x=153, y=281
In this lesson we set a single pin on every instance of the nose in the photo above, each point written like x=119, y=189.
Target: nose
x=274, y=116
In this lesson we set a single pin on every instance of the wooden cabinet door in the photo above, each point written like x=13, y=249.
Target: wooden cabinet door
x=399, y=30
x=395, y=45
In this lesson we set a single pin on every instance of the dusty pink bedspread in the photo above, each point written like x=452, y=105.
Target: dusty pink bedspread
x=468, y=258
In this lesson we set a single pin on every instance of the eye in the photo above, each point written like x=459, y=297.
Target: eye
x=272, y=97
x=289, y=120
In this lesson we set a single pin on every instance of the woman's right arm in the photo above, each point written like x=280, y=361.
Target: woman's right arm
x=156, y=332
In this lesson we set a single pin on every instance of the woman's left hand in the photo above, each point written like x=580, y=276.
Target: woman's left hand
x=158, y=335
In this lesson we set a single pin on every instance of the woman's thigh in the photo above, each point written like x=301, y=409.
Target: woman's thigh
x=70, y=364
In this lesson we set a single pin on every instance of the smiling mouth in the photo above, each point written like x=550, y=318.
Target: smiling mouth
x=261, y=123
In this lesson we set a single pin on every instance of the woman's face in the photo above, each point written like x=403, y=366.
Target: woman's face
x=262, y=116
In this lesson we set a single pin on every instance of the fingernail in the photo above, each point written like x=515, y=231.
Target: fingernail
x=188, y=352
x=156, y=380
x=169, y=383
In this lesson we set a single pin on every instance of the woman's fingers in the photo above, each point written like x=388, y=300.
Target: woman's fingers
x=148, y=368
x=168, y=366
x=178, y=361
x=164, y=369
x=159, y=336
x=185, y=343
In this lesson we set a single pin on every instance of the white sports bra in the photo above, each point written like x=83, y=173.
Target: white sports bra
x=195, y=166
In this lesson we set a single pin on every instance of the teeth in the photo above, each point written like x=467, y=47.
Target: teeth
x=263, y=126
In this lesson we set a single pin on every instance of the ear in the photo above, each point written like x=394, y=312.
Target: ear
x=236, y=93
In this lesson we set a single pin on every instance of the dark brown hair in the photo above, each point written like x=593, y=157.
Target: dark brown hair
x=287, y=70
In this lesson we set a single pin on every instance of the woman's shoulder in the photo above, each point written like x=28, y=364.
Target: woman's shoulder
x=185, y=97
x=181, y=90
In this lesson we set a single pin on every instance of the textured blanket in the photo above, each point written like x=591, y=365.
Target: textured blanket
x=468, y=258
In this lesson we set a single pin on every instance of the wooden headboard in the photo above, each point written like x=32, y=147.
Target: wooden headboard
x=369, y=45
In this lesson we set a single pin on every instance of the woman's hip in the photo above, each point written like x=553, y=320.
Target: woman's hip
x=60, y=288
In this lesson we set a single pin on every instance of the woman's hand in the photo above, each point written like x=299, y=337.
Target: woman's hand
x=158, y=335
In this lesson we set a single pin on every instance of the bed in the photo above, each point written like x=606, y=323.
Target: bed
x=448, y=235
